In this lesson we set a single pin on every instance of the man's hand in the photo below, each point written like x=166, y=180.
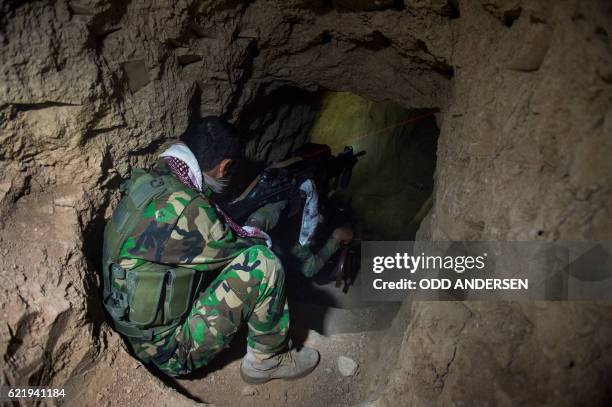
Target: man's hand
x=266, y=217
x=343, y=234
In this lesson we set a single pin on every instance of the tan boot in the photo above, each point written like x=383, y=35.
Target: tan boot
x=289, y=365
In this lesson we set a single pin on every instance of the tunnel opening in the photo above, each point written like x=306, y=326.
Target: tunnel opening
x=391, y=186
x=389, y=194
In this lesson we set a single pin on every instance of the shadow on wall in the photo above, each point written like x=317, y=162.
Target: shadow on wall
x=278, y=122
x=275, y=124
x=392, y=184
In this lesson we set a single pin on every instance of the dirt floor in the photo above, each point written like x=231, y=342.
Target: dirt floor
x=120, y=380
x=221, y=383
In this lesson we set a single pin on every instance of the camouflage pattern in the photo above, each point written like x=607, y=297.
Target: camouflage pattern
x=250, y=288
x=183, y=229
x=310, y=263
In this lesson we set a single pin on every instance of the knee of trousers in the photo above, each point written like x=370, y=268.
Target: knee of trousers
x=271, y=266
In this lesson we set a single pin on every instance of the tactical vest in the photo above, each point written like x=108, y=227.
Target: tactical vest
x=155, y=297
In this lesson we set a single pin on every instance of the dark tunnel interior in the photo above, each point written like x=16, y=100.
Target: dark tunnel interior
x=389, y=194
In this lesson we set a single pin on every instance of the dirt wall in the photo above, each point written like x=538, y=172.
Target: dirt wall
x=90, y=89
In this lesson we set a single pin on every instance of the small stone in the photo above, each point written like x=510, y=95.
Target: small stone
x=347, y=366
x=249, y=391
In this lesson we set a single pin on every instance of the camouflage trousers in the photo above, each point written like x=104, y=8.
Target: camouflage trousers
x=251, y=289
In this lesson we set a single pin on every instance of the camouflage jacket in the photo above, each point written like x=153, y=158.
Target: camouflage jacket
x=181, y=229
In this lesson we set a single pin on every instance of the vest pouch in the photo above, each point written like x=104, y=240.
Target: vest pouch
x=115, y=297
x=179, y=290
x=145, y=285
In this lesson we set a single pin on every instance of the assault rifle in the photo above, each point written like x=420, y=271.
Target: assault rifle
x=281, y=181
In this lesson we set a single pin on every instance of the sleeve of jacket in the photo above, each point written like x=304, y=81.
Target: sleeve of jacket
x=201, y=240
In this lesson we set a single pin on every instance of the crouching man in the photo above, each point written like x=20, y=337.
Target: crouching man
x=179, y=282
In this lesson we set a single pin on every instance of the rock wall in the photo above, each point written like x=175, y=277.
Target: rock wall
x=523, y=155
x=91, y=88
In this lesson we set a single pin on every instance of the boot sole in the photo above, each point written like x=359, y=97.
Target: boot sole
x=254, y=380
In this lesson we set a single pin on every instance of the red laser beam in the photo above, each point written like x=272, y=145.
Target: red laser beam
x=401, y=123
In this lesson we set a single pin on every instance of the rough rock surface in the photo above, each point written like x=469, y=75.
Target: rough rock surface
x=91, y=88
x=521, y=156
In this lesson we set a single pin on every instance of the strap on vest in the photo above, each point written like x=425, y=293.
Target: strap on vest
x=142, y=189
x=118, y=271
x=130, y=331
x=146, y=189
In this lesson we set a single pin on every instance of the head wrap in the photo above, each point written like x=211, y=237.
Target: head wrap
x=184, y=165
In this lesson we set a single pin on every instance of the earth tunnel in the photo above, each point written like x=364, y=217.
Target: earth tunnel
x=481, y=121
